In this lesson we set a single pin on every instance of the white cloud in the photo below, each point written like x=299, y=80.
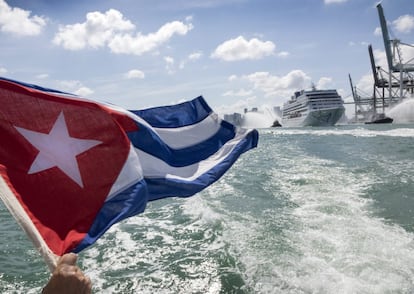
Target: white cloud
x=404, y=24
x=365, y=85
x=239, y=93
x=281, y=87
x=195, y=56
x=170, y=64
x=240, y=48
x=190, y=58
x=113, y=30
x=283, y=54
x=140, y=43
x=324, y=83
x=362, y=43
x=18, y=21
x=95, y=32
x=3, y=71
x=75, y=87
x=83, y=91
x=135, y=74
x=407, y=53
x=169, y=59
x=238, y=106
x=42, y=76
x=378, y=31
x=69, y=85
x=232, y=78
x=380, y=59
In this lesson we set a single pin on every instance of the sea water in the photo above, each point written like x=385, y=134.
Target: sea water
x=311, y=210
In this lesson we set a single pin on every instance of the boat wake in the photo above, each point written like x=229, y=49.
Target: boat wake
x=355, y=132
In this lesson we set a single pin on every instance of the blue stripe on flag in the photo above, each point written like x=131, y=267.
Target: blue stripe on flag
x=129, y=202
x=180, y=150
x=174, y=116
x=147, y=140
x=36, y=87
x=133, y=200
x=168, y=187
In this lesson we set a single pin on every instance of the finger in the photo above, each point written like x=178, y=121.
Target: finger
x=69, y=259
x=88, y=283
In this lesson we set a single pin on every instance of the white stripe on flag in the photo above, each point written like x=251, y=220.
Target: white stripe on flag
x=190, y=135
x=155, y=168
x=130, y=174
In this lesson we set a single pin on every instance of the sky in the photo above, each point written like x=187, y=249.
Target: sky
x=235, y=53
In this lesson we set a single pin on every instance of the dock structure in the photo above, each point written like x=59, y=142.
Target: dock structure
x=399, y=79
x=392, y=85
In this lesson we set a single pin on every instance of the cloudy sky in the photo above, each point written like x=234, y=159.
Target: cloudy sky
x=236, y=53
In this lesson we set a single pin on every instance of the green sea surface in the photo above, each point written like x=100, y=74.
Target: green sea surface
x=311, y=210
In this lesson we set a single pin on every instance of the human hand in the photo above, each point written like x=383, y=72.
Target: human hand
x=67, y=278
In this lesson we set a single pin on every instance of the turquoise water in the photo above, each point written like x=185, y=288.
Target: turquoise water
x=311, y=210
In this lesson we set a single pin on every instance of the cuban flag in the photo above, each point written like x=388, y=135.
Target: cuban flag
x=71, y=167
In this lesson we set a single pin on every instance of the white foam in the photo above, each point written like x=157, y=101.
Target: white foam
x=317, y=233
x=331, y=242
x=147, y=253
x=355, y=132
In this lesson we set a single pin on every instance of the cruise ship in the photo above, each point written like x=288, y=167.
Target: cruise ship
x=313, y=108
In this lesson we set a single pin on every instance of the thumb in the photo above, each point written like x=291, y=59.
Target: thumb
x=69, y=259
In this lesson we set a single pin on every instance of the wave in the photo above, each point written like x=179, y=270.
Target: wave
x=356, y=132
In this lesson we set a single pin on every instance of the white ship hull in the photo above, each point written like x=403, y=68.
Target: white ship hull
x=316, y=118
x=313, y=108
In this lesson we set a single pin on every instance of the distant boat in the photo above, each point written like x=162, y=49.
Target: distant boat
x=380, y=118
x=313, y=108
x=276, y=123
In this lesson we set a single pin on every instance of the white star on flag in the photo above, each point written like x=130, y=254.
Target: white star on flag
x=57, y=149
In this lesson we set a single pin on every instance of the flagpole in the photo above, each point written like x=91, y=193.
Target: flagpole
x=20, y=215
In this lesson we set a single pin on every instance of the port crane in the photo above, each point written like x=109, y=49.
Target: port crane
x=400, y=73
x=390, y=86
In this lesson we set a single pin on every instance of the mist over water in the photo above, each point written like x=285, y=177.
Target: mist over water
x=263, y=118
x=403, y=112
